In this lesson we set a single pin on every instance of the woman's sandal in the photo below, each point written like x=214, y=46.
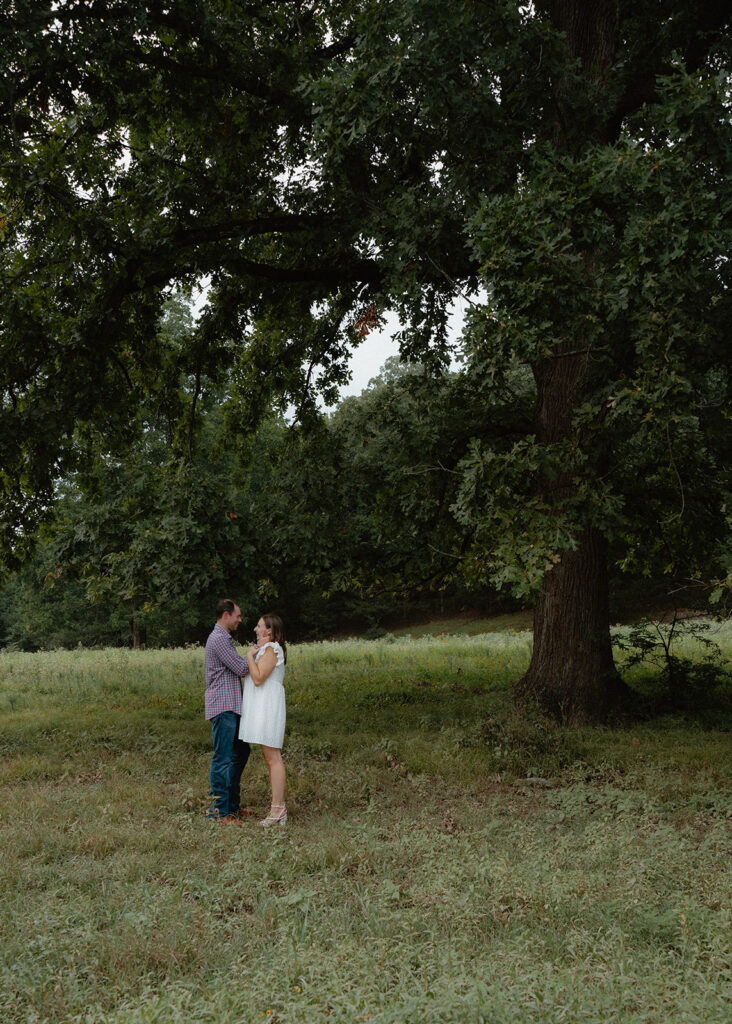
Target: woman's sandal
x=275, y=819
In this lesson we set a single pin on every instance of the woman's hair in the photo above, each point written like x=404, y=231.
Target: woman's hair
x=276, y=626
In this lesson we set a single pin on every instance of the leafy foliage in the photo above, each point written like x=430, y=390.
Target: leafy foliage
x=684, y=683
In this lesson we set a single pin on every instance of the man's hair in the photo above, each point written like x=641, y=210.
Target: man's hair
x=225, y=605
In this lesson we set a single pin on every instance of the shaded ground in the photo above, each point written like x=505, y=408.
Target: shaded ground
x=469, y=624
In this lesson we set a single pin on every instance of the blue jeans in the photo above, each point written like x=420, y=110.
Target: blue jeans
x=230, y=754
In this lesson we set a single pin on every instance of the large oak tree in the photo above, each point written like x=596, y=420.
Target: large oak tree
x=565, y=160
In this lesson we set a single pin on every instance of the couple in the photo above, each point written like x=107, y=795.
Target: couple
x=256, y=716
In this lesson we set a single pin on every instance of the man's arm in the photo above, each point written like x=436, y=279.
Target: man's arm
x=224, y=648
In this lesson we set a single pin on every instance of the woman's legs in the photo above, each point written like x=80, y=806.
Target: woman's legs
x=277, y=774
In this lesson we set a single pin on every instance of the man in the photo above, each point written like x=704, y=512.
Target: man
x=224, y=669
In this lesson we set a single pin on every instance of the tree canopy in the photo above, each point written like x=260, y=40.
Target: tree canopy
x=320, y=163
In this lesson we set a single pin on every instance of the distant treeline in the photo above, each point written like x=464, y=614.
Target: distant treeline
x=346, y=526
x=350, y=522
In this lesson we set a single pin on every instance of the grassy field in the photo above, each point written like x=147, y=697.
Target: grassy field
x=447, y=858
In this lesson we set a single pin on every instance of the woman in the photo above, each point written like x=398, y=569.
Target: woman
x=263, y=707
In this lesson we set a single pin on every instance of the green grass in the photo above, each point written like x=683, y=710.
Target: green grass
x=448, y=859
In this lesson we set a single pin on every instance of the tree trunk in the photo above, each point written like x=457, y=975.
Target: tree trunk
x=139, y=635
x=572, y=674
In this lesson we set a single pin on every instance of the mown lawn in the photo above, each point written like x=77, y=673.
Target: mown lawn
x=447, y=858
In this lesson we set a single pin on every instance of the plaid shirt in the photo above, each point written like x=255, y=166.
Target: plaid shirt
x=224, y=669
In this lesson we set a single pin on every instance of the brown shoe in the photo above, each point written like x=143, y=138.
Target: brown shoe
x=231, y=819
x=244, y=812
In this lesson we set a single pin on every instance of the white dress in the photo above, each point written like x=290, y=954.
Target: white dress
x=263, y=707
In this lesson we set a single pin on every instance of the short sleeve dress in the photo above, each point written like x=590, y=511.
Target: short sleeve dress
x=263, y=707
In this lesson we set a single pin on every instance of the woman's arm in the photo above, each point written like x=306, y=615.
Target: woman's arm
x=260, y=670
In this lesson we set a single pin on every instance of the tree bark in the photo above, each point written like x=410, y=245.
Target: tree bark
x=572, y=674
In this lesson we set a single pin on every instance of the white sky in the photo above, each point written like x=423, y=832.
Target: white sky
x=368, y=359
